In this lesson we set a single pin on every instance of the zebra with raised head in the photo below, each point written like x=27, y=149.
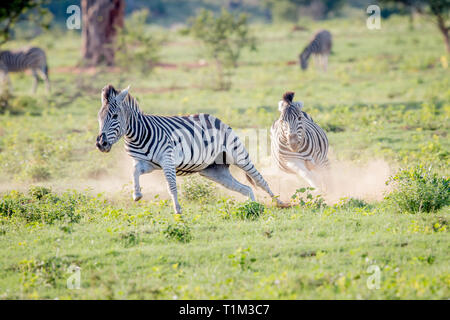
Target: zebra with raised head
x=320, y=46
x=179, y=145
x=32, y=58
x=298, y=144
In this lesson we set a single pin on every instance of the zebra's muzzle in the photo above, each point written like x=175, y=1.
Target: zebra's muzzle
x=102, y=143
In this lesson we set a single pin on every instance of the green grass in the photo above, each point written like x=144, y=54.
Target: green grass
x=386, y=96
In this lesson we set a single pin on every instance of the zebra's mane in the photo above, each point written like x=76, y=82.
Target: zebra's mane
x=109, y=93
x=286, y=105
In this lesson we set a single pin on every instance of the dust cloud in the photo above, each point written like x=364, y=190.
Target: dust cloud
x=364, y=181
x=344, y=179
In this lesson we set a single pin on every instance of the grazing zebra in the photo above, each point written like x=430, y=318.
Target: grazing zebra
x=319, y=46
x=32, y=58
x=298, y=144
x=179, y=145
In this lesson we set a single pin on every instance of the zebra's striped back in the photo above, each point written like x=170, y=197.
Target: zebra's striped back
x=15, y=61
x=295, y=136
x=195, y=141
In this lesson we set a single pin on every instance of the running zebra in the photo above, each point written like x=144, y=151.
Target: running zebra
x=17, y=61
x=298, y=144
x=179, y=145
x=320, y=46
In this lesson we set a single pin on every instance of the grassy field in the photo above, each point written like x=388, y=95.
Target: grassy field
x=385, y=99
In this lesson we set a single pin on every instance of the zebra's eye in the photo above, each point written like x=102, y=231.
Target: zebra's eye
x=115, y=116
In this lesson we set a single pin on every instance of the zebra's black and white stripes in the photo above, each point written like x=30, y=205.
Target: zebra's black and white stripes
x=298, y=144
x=17, y=61
x=179, y=145
x=319, y=46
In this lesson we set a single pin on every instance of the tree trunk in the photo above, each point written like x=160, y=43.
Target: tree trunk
x=101, y=18
x=444, y=30
x=447, y=41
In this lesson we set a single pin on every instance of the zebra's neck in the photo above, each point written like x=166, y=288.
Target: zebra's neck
x=134, y=128
x=307, y=52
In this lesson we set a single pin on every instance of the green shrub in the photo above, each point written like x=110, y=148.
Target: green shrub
x=178, y=231
x=240, y=258
x=38, y=192
x=49, y=272
x=351, y=203
x=42, y=205
x=198, y=189
x=129, y=238
x=250, y=210
x=223, y=37
x=38, y=172
x=304, y=198
x=16, y=105
x=418, y=189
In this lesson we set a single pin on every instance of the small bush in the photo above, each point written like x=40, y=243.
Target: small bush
x=198, y=189
x=129, y=238
x=418, y=189
x=223, y=38
x=38, y=192
x=250, y=210
x=178, y=231
x=240, y=258
x=351, y=203
x=49, y=272
x=42, y=205
x=18, y=105
x=38, y=172
x=304, y=198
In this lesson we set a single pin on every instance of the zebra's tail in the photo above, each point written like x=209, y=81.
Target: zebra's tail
x=46, y=70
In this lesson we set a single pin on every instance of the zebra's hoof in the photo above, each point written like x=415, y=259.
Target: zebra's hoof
x=281, y=204
x=137, y=196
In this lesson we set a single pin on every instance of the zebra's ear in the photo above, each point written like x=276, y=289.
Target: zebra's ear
x=121, y=96
x=281, y=105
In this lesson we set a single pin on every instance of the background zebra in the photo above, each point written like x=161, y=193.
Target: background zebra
x=178, y=145
x=298, y=144
x=320, y=46
x=32, y=58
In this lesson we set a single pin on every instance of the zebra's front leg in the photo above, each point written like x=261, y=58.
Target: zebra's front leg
x=300, y=168
x=35, y=81
x=170, y=174
x=140, y=167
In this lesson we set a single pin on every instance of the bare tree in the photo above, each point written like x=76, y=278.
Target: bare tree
x=101, y=18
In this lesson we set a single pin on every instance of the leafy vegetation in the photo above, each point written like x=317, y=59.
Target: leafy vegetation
x=199, y=189
x=419, y=189
x=224, y=37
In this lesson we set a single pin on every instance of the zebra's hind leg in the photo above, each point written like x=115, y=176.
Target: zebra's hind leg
x=140, y=167
x=220, y=173
x=257, y=179
x=44, y=75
